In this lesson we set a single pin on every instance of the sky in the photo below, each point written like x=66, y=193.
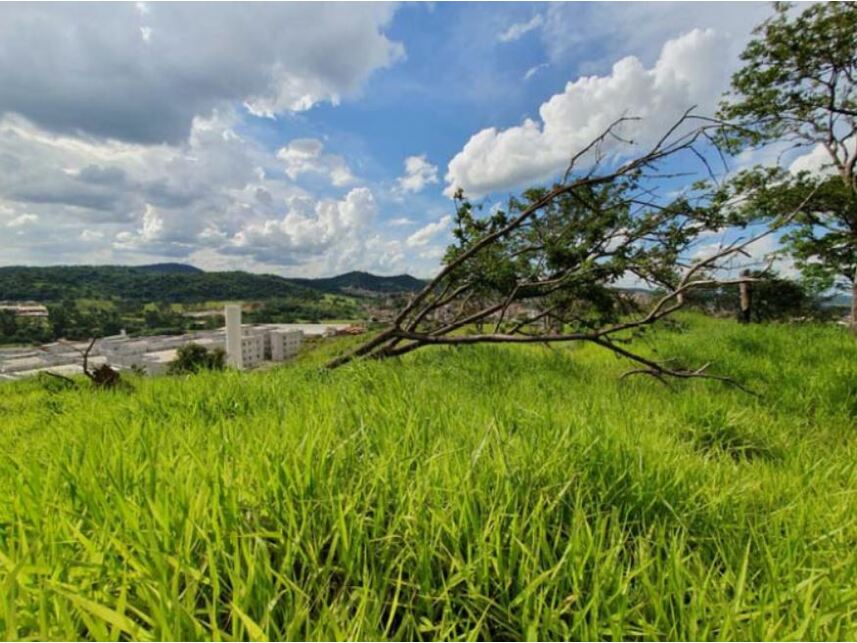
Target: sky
x=312, y=139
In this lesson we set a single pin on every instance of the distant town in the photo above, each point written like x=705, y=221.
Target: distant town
x=246, y=346
x=142, y=315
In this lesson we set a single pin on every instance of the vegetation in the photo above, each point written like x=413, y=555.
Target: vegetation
x=54, y=283
x=286, y=311
x=357, y=282
x=193, y=358
x=176, y=283
x=798, y=88
x=97, y=301
x=773, y=299
x=482, y=492
x=546, y=268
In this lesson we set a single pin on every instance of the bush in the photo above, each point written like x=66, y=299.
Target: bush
x=192, y=358
x=774, y=298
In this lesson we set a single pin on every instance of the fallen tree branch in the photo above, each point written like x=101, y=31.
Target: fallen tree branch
x=554, y=259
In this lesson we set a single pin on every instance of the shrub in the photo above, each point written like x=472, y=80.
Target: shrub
x=192, y=358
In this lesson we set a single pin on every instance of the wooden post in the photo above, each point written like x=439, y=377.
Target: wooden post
x=746, y=299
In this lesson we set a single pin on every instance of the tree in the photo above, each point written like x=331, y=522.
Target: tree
x=547, y=268
x=774, y=298
x=798, y=85
x=61, y=317
x=8, y=323
x=777, y=298
x=192, y=358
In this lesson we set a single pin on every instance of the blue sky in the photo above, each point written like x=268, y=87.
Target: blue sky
x=309, y=140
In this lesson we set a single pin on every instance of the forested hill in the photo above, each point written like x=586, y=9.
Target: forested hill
x=357, y=282
x=177, y=283
x=171, y=267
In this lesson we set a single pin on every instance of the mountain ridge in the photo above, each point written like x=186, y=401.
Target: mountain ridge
x=177, y=282
x=358, y=280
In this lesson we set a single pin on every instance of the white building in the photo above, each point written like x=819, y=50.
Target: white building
x=252, y=350
x=248, y=346
x=255, y=344
x=285, y=344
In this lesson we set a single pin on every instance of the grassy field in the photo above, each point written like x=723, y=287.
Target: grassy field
x=481, y=493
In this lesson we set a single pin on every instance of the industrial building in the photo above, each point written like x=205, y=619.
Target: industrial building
x=246, y=346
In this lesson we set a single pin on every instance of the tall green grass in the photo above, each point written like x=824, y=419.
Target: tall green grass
x=479, y=493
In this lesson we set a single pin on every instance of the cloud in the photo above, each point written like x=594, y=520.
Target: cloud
x=519, y=29
x=22, y=220
x=818, y=160
x=401, y=221
x=428, y=232
x=155, y=199
x=114, y=70
x=91, y=235
x=219, y=200
x=151, y=229
x=640, y=28
x=418, y=173
x=308, y=228
x=305, y=155
x=762, y=253
x=689, y=71
x=532, y=71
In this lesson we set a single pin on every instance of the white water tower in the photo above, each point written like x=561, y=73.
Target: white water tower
x=233, y=336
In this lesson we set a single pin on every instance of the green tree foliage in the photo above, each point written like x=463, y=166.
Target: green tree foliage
x=8, y=323
x=774, y=298
x=798, y=86
x=96, y=301
x=565, y=262
x=177, y=284
x=69, y=320
x=289, y=310
x=22, y=330
x=192, y=358
x=549, y=267
x=56, y=283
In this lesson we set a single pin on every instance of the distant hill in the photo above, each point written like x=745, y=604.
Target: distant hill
x=164, y=282
x=181, y=283
x=364, y=282
x=170, y=267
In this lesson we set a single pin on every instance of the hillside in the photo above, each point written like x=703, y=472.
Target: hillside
x=171, y=268
x=481, y=493
x=363, y=282
x=141, y=284
x=179, y=283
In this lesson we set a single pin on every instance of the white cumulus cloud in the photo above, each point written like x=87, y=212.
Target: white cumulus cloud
x=309, y=227
x=305, y=155
x=818, y=160
x=418, y=173
x=428, y=232
x=688, y=72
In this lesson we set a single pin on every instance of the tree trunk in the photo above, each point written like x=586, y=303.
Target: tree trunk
x=746, y=299
x=854, y=305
